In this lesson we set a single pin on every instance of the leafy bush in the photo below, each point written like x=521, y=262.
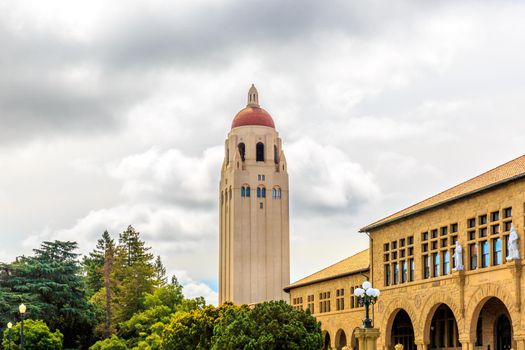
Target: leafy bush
x=37, y=336
x=113, y=343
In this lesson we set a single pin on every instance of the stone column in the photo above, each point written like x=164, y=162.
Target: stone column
x=515, y=269
x=520, y=342
x=367, y=338
x=421, y=345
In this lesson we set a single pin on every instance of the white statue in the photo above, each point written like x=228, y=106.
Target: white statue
x=458, y=257
x=512, y=245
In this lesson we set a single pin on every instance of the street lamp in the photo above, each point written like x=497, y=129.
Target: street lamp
x=22, y=308
x=366, y=296
x=9, y=326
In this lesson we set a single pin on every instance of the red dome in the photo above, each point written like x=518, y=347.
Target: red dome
x=253, y=116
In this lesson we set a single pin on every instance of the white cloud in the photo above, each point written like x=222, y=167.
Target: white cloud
x=324, y=178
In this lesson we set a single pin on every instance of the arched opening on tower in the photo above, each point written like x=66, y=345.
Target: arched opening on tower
x=259, y=152
x=242, y=151
x=327, y=342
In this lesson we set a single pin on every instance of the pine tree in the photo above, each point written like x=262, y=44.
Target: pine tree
x=51, y=286
x=94, y=263
x=135, y=272
x=160, y=273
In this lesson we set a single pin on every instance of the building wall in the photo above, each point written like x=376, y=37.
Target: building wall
x=254, y=261
x=464, y=292
x=491, y=291
x=335, y=323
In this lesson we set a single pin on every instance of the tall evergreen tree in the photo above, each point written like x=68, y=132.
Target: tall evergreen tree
x=51, y=285
x=135, y=272
x=93, y=263
x=160, y=272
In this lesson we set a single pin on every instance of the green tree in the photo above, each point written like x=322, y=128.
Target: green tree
x=51, y=286
x=113, y=343
x=93, y=263
x=270, y=325
x=37, y=336
x=160, y=272
x=134, y=272
x=191, y=330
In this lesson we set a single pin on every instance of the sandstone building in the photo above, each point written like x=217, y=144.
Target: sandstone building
x=427, y=301
x=254, y=258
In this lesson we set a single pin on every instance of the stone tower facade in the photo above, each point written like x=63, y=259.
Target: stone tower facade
x=254, y=259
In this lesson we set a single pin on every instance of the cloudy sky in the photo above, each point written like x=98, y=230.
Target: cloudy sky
x=114, y=113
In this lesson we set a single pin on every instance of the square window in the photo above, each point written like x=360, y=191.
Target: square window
x=410, y=240
x=444, y=230
x=402, y=253
x=410, y=251
x=454, y=228
x=386, y=257
x=425, y=247
x=494, y=216
x=453, y=240
x=424, y=236
x=434, y=233
x=482, y=232
x=507, y=225
x=471, y=235
x=507, y=212
x=434, y=245
x=471, y=222
x=443, y=243
x=394, y=255
x=482, y=219
x=494, y=229
x=394, y=245
x=260, y=205
x=402, y=242
x=386, y=247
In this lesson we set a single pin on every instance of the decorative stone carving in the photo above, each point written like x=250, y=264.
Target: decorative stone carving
x=512, y=245
x=458, y=257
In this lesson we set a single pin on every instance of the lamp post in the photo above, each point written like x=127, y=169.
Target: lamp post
x=366, y=296
x=22, y=308
x=9, y=326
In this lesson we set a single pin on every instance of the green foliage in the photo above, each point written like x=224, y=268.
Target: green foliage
x=37, y=336
x=113, y=343
x=191, y=330
x=51, y=286
x=93, y=263
x=160, y=272
x=169, y=295
x=270, y=325
x=134, y=272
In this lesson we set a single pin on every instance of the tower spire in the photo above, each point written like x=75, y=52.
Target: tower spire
x=253, y=97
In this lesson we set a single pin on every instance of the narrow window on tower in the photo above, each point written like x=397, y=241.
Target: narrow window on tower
x=259, y=148
x=258, y=192
x=263, y=192
x=242, y=151
x=275, y=155
x=248, y=191
x=243, y=191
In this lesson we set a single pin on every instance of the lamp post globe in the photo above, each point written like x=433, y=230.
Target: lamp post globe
x=22, y=308
x=9, y=326
x=367, y=296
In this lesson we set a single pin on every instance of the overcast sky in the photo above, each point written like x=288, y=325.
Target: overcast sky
x=115, y=112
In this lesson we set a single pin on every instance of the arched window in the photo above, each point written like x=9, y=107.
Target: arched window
x=248, y=191
x=242, y=151
x=274, y=193
x=243, y=191
x=258, y=192
x=263, y=192
x=259, y=152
